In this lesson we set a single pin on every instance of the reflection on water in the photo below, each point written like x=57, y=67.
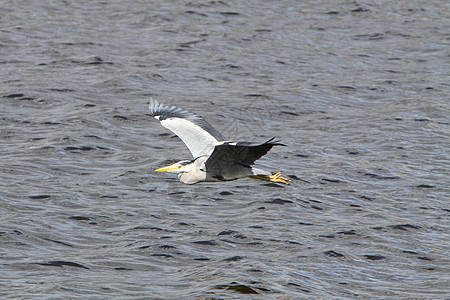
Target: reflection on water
x=357, y=91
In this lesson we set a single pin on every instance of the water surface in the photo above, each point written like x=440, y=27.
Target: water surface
x=358, y=90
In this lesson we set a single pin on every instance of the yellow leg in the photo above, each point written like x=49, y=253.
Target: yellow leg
x=272, y=178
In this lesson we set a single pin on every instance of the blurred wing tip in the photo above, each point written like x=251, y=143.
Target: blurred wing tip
x=153, y=104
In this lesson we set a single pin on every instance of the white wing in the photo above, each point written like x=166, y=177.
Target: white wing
x=198, y=135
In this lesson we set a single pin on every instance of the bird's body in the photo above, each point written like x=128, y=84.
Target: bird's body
x=214, y=158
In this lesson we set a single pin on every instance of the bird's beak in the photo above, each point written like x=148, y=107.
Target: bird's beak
x=168, y=168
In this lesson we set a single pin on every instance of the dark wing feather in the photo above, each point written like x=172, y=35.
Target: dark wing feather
x=243, y=153
x=165, y=112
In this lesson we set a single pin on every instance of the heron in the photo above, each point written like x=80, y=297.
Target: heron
x=214, y=158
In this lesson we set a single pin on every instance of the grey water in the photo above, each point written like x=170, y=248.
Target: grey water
x=358, y=90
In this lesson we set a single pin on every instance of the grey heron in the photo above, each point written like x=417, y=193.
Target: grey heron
x=214, y=158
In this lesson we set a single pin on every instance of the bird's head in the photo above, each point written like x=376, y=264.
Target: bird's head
x=179, y=167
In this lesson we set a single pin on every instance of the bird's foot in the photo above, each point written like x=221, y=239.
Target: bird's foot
x=278, y=178
x=273, y=178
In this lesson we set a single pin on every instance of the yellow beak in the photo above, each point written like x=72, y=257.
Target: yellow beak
x=168, y=168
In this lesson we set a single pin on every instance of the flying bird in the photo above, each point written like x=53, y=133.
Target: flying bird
x=214, y=158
